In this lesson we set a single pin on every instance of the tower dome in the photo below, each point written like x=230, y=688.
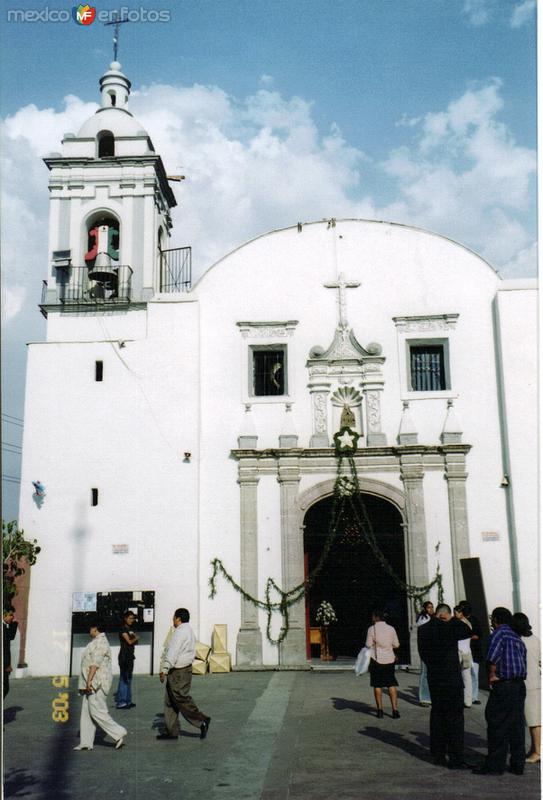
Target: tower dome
x=113, y=114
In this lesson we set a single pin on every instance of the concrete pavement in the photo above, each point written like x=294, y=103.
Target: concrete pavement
x=273, y=736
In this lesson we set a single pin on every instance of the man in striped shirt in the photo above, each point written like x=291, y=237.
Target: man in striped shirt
x=506, y=660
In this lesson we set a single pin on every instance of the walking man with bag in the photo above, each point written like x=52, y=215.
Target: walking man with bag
x=177, y=672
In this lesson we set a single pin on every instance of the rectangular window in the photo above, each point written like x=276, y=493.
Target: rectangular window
x=269, y=365
x=99, y=371
x=94, y=497
x=428, y=368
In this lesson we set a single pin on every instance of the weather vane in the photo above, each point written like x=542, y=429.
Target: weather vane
x=117, y=21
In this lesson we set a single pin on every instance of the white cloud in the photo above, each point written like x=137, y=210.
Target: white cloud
x=522, y=13
x=13, y=298
x=477, y=11
x=261, y=162
x=465, y=176
x=523, y=262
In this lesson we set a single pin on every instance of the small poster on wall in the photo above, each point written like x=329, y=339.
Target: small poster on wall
x=148, y=614
x=83, y=602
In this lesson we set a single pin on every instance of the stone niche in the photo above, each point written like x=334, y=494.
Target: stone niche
x=346, y=380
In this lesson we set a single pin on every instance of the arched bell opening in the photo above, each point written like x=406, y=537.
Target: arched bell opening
x=102, y=256
x=354, y=578
x=105, y=141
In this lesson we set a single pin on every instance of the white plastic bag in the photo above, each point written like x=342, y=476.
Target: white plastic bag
x=363, y=661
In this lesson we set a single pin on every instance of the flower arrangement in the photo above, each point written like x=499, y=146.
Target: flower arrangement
x=325, y=613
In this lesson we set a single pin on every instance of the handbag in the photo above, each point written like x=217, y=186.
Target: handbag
x=363, y=661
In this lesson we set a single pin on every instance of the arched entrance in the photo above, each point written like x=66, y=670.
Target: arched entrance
x=352, y=579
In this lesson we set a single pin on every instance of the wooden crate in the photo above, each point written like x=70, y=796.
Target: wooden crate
x=220, y=639
x=219, y=662
x=199, y=667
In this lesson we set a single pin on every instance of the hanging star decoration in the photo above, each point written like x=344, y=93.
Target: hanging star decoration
x=346, y=440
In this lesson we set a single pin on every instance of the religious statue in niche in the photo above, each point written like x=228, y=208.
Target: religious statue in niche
x=347, y=417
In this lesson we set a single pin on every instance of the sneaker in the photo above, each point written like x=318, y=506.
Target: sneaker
x=82, y=747
x=119, y=743
x=476, y=702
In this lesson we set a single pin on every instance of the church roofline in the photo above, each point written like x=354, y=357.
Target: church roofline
x=349, y=219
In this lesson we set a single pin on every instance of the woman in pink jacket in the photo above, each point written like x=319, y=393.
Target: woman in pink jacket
x=383, y=640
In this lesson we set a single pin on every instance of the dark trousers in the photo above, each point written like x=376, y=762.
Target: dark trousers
x=504, y=715
x=6, y=683
x=178, y=700
x=447, y=723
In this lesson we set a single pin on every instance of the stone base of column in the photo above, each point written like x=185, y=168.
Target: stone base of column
x=249, y=647
x=319, y=440
x=415, y=658
x=292, y=651
x=377, y=439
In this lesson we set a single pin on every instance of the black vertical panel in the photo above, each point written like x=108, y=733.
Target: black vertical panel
x=475, y=595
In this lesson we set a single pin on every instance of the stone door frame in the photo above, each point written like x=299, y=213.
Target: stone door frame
x=408, y=462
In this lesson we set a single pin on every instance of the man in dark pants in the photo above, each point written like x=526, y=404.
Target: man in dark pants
x=504, y=713
x=177, y=672
x=438, y=648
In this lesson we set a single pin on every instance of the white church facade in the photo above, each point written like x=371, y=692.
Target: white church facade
x=173, y=425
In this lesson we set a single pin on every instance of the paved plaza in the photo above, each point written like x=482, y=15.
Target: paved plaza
x=273, y=736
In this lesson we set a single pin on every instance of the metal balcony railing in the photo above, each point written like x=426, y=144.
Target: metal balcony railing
x=76, y=287
x=176, y=269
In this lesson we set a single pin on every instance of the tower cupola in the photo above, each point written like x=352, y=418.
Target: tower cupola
x=114, y=87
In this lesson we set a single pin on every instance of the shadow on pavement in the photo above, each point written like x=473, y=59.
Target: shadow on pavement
x=19, y=782
x=11, y=713
x=399, y=741
x=342, y=704
x=411, y=700
x=473, y=744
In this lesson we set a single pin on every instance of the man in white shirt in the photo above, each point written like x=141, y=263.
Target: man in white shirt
x=176, y=670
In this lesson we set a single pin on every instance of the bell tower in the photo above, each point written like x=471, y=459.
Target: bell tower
x=110, y=204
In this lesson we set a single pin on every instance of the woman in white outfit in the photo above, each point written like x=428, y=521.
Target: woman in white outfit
x=424, y=690
x=94, y=684
x=466, y=659
x=532, y=704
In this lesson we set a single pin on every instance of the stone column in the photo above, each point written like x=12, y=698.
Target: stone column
x=412, y=473
x=319, y=403
x=249, y=641
x=455, y=475
x=292, y=650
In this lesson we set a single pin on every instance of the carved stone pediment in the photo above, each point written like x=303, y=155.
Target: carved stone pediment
x=344, y=347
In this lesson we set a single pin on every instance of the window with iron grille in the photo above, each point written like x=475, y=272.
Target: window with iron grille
x=428, y=367
x=269, y=371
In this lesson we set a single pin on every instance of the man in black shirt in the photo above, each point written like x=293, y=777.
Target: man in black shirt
x=438, y=648
x=128, y=640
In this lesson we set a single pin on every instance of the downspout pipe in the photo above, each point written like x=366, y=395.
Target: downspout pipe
x=506, y=458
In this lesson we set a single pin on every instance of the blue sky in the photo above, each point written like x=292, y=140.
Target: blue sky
x=420, y=111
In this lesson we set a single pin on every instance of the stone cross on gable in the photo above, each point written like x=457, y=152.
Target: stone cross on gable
x=341, y=284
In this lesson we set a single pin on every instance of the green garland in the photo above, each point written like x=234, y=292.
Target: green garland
x=346, y=495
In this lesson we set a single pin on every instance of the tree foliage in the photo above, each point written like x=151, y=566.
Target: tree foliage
x=18, y=553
